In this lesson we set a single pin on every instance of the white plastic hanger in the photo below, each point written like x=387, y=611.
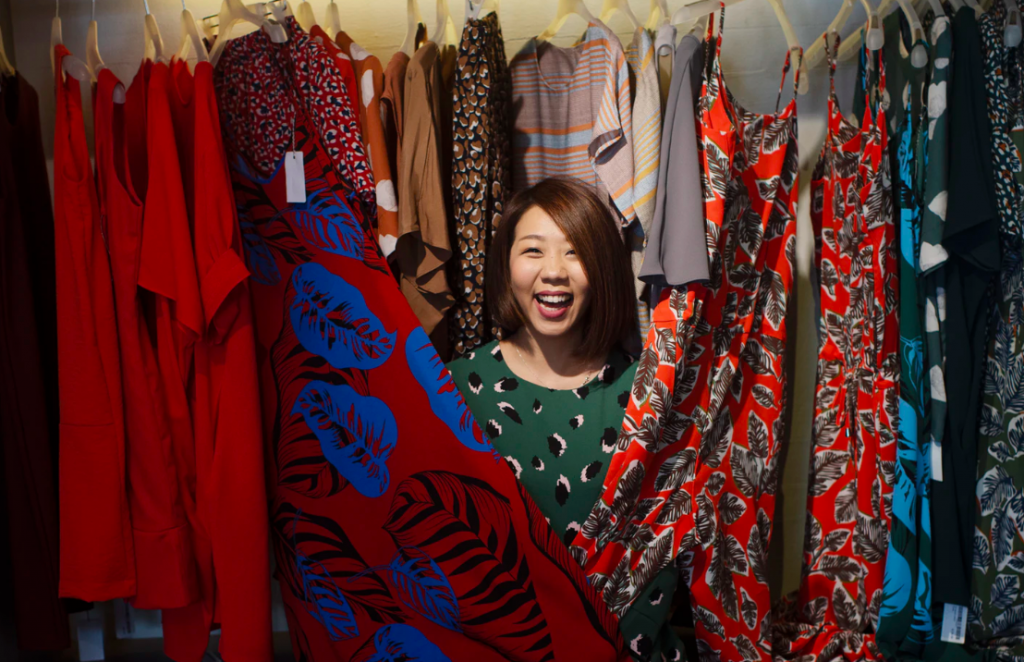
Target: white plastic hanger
x=333, y=20
x=413, y=27
x=476, y=8
x=6, y=68
x=444, y=28
x=303, y=14
x=71, y=65
x=609, y=8
x=658, y=16
x=154, y=49
x=233, y=11
x=566, y=8
x=190, y=38
x=1011, y=31
x=874, y=37
x=92, y=47
x=919, y=52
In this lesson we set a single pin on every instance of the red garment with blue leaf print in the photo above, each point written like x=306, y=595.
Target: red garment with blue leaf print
x=398, y=532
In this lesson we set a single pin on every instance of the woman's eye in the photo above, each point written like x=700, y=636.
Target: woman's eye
x=532, y=249
x=571, y=252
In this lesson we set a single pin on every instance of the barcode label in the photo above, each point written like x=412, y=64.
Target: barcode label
x=935, y=452
x=954, y=624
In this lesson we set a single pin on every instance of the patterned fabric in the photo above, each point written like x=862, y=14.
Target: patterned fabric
x=696, y=466
x=573, y=116
x=481, y=172
x=905, y=621
x=646, y=156
x=385, y=549
x=997, y=604
x=370, y=78
x=557, y=442
x=854, y=439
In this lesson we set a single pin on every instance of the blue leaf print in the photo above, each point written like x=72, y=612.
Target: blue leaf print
x=898, y=583
x=327, y=222
x=331, y=319
x=258, y=257
x=324, y=600
x=423, y=586
x=357, y=433
x=445, y=399
x=404, y=643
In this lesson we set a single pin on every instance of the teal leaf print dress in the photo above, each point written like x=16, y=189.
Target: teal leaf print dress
x=558, y=443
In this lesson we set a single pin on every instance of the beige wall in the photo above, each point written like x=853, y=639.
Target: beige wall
x=752, y=58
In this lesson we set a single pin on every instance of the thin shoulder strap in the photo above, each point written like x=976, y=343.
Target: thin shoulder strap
x=831, y=54
x=785, y=72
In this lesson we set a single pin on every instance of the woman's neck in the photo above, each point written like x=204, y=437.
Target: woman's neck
x=549, y=361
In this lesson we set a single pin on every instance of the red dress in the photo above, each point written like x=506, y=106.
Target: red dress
x=398, y=532
x=230, y=537
x=696, y=469
x=96, y=547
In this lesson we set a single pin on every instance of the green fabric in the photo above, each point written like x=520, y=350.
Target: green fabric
x=558, y=443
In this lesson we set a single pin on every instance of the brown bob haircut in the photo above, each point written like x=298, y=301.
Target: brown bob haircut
x=593, y=231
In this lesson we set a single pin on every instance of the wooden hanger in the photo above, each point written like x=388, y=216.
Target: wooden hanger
x=231, y=13
x=566, y=8
x=6, y=68
x=303, y=14
x=874, y=37
x=412, y=27
x=333, y=20
x=70, y=65
x=190, y=38
x=154, y=49
x=92, y=47
x=609, y=8
x=658, y=15
x=444, y=27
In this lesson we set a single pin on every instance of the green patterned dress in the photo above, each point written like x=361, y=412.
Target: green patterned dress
x=558, y=443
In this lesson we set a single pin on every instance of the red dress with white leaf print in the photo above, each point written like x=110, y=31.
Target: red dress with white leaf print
x=856, y=411
x=696, y=469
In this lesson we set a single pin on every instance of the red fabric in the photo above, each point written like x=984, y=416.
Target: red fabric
x=398, y=532
x=30, y=490
x=165, y=573
x=231, y=544
x=697, y=464
x=96, y=549
x=346, y=70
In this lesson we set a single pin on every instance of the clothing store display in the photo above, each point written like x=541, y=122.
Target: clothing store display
x=695, y=470
x=573, y=116
x=481, y=173
x=971, y=239
x=557, y=443
x=370, y=80
x=392, y=113
x=997, y=568
x=28, y=375
x=384, y=537
x=676, y=252
x=230, y=529
x=424, y=186
x=854, y=433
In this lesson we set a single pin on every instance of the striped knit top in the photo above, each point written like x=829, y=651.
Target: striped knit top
x=573, y=116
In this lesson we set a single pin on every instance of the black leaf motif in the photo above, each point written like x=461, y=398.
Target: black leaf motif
x=982, y=556
x=757, y=436
x=730, y=508
x=845, y=609
x=1005, y=590
x=835, y=566
x=835, y=540
x=734, y=557
x=746, y=470
x=716, y=442
x=746, y=648
x=656, y=557
x=870, y=538
x=814, y=610
x=995, y=487
x=646, y=372
x=676, y=470
x=763, y=396
x=645, y=507
x=617, y=592
x=715, y=482
x=812, y=534
x=710, y=621
x=677, y=505
x=757, y=553
x=705, y=521
x=748, y=608
x=829, y=466
x=627, y=492
x=846, y=504
x=717, y=169
x=776, y=135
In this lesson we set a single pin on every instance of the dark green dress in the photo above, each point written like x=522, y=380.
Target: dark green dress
x=558, y=443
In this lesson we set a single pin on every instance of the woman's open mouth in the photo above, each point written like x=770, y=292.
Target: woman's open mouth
x=553, y=305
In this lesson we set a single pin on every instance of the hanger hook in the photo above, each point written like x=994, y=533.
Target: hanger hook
x=56, y=13
x=146, y=4
x=93, y=10
x=183, y=8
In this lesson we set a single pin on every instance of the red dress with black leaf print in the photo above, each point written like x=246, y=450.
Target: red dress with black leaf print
x=696, y=468
x=856, y=413
x=398, y=532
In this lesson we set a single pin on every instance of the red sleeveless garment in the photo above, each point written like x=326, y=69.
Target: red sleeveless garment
x=696, y=469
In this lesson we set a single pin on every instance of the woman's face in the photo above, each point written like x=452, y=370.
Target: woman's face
x=547, y=277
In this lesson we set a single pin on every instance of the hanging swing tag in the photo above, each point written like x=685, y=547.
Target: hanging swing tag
x=954, y=624
x=295, y=176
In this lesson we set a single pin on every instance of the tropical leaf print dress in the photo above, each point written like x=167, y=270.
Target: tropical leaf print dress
x=398, y=531
x=854, y=434
x=695, y=471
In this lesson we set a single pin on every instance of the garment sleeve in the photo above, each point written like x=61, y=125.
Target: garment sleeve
x=611, y=144
x=676, y=247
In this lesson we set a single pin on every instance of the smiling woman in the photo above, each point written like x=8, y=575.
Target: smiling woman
x=552, y=392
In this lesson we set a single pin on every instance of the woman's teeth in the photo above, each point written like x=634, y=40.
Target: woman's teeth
x=555, y=300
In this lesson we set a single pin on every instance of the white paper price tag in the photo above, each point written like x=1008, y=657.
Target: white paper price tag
x=954, y=624
x=935, y=452
x=295, y=176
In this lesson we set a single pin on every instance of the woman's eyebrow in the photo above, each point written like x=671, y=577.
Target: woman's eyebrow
x=532, y=236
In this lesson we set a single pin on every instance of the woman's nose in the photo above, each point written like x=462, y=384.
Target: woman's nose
x=555, y=268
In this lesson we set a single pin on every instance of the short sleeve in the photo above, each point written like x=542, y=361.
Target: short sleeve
x=611, y=144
